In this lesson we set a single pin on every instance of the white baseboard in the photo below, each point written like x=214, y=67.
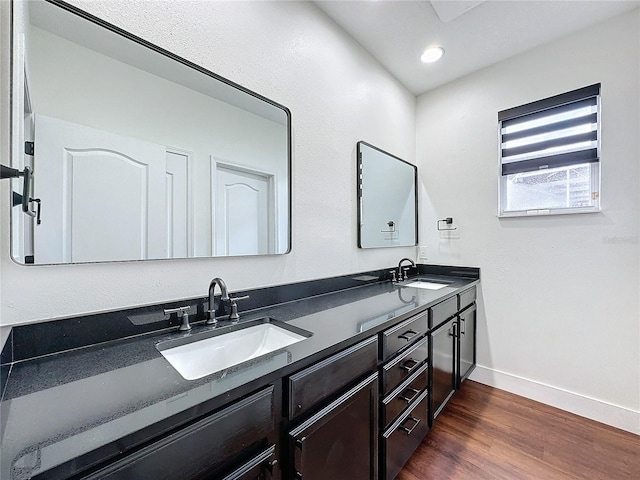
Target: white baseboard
x=597, y=410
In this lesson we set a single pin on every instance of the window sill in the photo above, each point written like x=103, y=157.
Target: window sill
x=547, y=212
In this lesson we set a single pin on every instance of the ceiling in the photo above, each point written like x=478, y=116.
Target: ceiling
x=474, y=34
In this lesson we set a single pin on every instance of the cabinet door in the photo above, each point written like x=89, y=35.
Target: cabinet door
x=466, y=344
x=341, y=440
x=442, y=377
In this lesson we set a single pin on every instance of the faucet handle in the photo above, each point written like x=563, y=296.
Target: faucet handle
x=180, y=311
x=235, y=299
x=393, y=276
x=234, y=316
x=183, y=313
x=405, y=273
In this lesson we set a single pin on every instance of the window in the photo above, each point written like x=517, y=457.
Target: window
x=550, y=155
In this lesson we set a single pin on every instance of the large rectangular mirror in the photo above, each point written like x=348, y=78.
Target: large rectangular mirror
x=138, y=154
x=387, y=199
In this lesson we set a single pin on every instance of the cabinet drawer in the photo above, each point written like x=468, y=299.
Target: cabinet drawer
x=202, y=449
x=404, y=396
x=403, y=437
x=318, y=382
x=264, y=465
x=443, y=311
x=399, y=337
x=400, y=368
x=466, y=298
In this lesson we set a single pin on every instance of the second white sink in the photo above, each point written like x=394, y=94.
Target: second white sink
x=198, y=356
x=426, y=285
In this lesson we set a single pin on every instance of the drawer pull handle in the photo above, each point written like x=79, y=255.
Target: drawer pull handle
x=408, y=368
x=411, y=390
x=453, y=330
x=408, y=335
x=410, y=430
x=271, y=466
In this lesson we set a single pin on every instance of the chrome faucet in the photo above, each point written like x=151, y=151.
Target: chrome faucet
x=224, y=298
x=232, y=313
x=402, y=271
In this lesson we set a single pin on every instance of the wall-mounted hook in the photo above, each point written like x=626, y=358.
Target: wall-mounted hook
x=447, y=221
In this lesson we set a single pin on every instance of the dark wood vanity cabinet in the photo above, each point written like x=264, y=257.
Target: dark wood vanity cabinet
x=333, y=409
x=466, y=356
x=400, y=440
x=357, y=414
x=443, y=343
x=404, y=378
x=452, y=347
x=339, y=441
x=236, y=442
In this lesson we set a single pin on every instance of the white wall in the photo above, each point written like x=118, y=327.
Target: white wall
x=286, y=51
x=559, y=312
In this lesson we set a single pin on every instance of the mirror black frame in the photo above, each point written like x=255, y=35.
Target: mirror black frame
x=359, y=192
x=172, y=56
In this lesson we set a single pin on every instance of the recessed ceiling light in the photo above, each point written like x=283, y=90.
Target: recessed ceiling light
x=432, y=54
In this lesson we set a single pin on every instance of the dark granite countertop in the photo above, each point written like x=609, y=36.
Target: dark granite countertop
x=59, y=407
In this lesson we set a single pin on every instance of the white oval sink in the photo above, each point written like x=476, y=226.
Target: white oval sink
x=200, y=355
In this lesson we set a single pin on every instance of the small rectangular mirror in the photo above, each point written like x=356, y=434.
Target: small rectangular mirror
x=387, y=199
x=138, y=154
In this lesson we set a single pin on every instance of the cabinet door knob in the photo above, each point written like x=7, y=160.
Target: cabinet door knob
x=271, y=465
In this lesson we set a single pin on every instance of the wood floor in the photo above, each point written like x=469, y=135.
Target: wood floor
x=486, y=433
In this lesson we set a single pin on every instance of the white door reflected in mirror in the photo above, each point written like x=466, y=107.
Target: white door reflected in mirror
x=125, y=95
x=115, y=200
x=243, y=222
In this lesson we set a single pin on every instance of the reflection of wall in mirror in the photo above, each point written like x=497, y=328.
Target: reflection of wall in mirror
x=388, y=194
x=73, y=83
